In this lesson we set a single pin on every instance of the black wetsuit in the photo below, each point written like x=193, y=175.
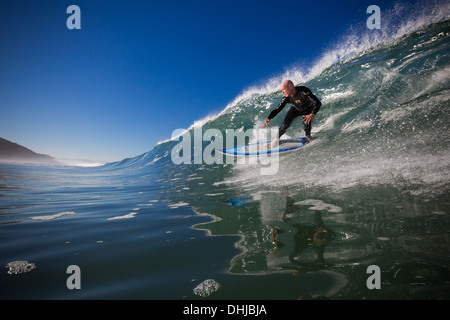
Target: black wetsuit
x=303, y=102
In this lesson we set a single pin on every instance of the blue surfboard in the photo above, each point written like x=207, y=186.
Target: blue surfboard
x=260, y=148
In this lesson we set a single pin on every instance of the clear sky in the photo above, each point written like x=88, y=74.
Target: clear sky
x=137, y=70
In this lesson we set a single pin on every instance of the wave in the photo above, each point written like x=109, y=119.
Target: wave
x=383, y=121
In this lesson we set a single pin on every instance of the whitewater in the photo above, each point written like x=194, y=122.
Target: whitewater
x=372, y=189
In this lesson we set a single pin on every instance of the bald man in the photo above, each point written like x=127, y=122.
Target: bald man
x=303, y=103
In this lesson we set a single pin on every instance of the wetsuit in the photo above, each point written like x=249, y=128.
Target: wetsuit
x=303, y=102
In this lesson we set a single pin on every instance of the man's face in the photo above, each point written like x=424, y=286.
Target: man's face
x=288, y=89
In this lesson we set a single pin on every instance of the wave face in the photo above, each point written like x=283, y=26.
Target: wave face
x=374, y=186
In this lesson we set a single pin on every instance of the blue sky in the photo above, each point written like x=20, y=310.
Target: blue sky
x=138, y=70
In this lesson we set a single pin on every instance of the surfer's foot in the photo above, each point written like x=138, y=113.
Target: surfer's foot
x=309, y=138
x=272, y=144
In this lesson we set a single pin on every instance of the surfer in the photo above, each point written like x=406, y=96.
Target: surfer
x=304, y=103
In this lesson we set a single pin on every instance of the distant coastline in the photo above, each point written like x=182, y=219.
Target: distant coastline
x=13, y=153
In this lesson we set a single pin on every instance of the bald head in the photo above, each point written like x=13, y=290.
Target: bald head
x=288, y=88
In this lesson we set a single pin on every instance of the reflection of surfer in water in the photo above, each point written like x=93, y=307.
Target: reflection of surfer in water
x=291, y=241
x=316, y=237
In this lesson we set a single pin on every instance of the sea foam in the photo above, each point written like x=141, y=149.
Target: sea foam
x=54, y=216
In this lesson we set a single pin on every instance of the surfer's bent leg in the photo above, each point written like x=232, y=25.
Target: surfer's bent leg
x=290, y=117
x=308, y=129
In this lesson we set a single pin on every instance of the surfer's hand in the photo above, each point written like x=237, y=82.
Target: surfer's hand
x=308, y=118
x=266, y=122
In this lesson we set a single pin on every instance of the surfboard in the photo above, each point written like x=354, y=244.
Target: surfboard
x=260, y=148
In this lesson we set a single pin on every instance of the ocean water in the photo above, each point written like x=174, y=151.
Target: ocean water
x=372, y=190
